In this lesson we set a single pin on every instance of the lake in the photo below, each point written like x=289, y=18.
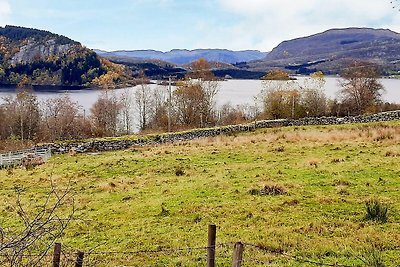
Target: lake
x=233, y=91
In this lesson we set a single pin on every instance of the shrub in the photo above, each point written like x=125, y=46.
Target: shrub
x=255, y=192
x=164, y=212
x=314, y=162
x=269, y=190
x=376, y=211
x=179, y=172
x=372, y=257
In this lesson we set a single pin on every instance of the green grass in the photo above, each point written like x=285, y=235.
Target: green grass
x=161, y=197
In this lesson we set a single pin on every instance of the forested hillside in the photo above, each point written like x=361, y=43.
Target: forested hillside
x=36, y=57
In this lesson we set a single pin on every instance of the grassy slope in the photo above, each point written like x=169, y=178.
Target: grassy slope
x=329, y=172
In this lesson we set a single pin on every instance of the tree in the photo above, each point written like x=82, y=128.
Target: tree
x=313, y=99
x=3, y=125
x=143, y=101
x=125, y=101
x=229, y=114
x=361, y=90
x=22, y=115
x=280, y=99
x=159, y=115
x=201, y=88
x=188, y=100
x=105, y=113
x=60, y=118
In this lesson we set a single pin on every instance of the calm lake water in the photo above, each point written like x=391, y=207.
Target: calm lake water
x=233, y=91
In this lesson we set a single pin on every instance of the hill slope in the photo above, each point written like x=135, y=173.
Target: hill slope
x=31, y=56
x=328, y=50
x=183, y=56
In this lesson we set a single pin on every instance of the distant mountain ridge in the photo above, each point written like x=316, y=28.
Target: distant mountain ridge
x=329, y=50
x=183, y=56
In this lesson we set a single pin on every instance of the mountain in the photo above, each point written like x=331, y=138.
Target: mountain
x=37, y=57
x=183, y=56
x=330, y=50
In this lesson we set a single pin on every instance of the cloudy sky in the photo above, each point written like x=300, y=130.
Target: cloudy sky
x=168, y=24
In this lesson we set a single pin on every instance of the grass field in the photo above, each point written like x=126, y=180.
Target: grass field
x=297, y=191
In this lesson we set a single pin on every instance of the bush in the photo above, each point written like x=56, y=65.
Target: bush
x=376, y=211
x=164, y=212
x=179, y=172
x=372, y=257
x=269, y=190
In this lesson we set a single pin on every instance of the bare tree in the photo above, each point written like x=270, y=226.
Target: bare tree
x=125, y=101
x=361, y=90
x=229, y=114
x=280, y=99
x=143, y=101
x=28, y=245
x=60, y=118
x=104, y=115
x=202, y=86
x=188, y=100
x=3, y=124
x=160, y=110
x=22, y=115
x=313, y=99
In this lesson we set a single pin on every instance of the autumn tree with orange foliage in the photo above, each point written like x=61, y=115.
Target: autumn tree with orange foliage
x=195, y=96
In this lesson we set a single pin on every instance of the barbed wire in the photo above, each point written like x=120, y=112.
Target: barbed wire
x=155, y=251
x=224, y=253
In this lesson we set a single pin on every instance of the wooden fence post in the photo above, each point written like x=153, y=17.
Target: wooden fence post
x=237, y=255
x=57, y=255
x=79, y=259
x=212, y=234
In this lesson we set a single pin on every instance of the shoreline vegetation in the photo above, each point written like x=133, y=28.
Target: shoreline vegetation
x=54, y=88
x=191, y=105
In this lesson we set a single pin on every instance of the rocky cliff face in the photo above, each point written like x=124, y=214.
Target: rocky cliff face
x=33, y=51
x=36, y=57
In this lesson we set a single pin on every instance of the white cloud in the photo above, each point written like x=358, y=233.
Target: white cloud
x=5, y=12
x=265, y=23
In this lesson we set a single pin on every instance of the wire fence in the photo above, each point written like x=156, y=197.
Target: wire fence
x=252, y=256
x=221, y=254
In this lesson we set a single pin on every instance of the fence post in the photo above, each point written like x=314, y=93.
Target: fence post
x=57, y=255
x=79, y=259
x=212, y=234
x=1, y=160
x=237, y=255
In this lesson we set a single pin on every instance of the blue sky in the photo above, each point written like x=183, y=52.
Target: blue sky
x=168, y=24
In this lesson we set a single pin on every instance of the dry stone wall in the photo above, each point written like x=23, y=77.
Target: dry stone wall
x=121, y=144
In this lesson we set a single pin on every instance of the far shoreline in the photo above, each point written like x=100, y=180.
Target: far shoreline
x=64, y=88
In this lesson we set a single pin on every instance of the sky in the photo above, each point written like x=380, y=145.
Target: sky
x=191, y=24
